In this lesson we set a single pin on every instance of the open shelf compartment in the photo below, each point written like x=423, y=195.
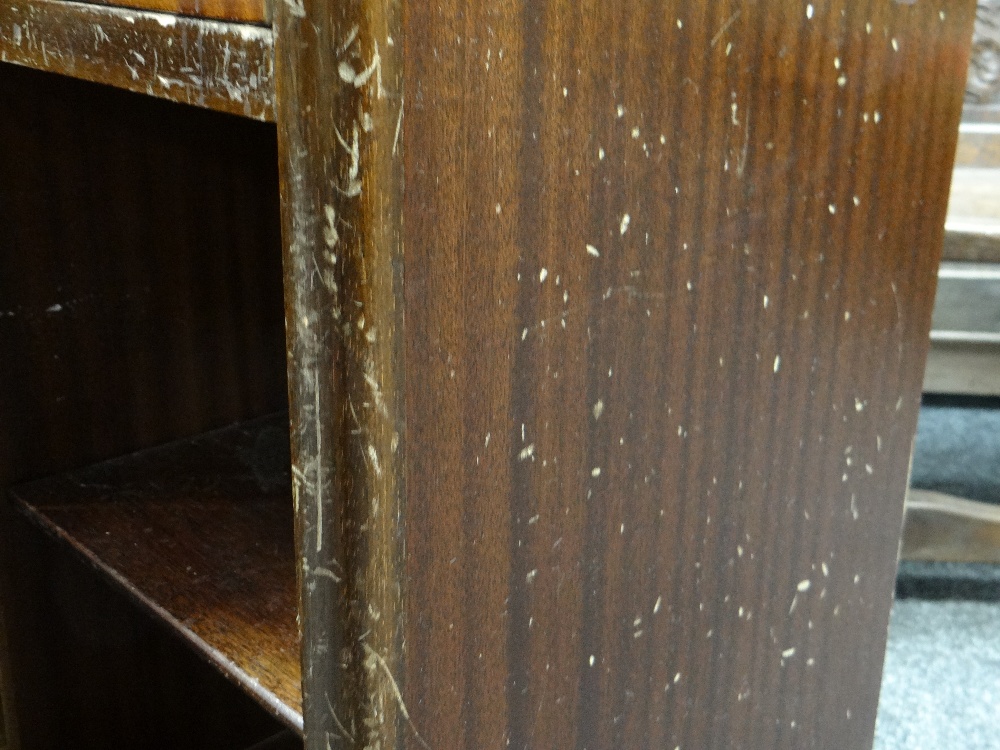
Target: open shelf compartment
x=199, y=531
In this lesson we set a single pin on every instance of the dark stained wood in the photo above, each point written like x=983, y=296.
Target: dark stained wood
x=200, y=532
x=138, y=683
x=7, y=717
x=942, y=527
x=339, y=105
x=231, y=10
x=963, y=362
x=140, y=290
x=681, y=454
x=223, y=66
x=140, y=273
x=979, y=243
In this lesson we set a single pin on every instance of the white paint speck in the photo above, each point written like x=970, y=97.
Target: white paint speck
x=542, y=275
x=592, y=660
x=596, y=471
x=777, y=363
x=809, y=11
x=626, y=220
x=804, y=585
x=527, y=452
x=788, y=653
x=598, y=409
x=593, y=251
x=531, y=575
x=659, y=603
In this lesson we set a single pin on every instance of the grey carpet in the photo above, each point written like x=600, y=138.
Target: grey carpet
x=941, y=685
x=957, y=450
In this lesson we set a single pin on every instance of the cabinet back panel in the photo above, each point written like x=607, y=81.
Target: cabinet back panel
x=140, y=273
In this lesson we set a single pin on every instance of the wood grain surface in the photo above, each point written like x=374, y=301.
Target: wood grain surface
x=230, y=10
x=222, y=66
x=668, y=277
x=199, y=532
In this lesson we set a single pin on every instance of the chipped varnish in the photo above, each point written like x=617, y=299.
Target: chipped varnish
x=228, y=10
x=214, y=64
x=200, y=532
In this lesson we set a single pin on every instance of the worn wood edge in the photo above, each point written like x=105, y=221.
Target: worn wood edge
x=341, y=176
x=962, y=362
x=978, y=145
x=226, y=666
x=218, y=65
x=952, y=505
x=945, y=528
x=968, y=242
x=221, y=10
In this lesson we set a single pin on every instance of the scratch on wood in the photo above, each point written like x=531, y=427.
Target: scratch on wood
x=725, y=27
x=377, y=658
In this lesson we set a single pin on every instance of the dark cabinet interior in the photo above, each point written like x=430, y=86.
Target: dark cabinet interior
x=141, y=280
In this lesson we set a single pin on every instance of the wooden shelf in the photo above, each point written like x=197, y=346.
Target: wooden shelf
x=227, y=10
x=214, y=64
x=201, y=533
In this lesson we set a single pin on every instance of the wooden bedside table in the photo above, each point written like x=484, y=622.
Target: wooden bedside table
x=604, y=326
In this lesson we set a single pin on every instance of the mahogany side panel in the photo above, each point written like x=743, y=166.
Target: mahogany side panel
x=669, y=269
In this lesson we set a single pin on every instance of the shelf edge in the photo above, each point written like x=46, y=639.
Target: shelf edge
x=227, y=667
x=218, y=65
